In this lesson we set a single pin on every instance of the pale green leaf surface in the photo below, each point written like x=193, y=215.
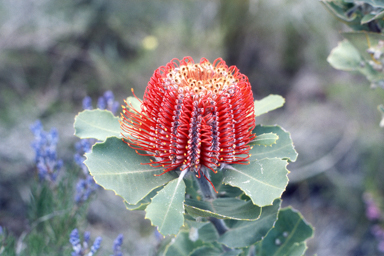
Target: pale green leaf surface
x=181, y=245
x=287, y=236
x=262, y=180
x=345, y=57
x=134, y=102
x=269, y=103
x=370, y=17
x=266, y=139
x=223, y=208
x=283, y=148
x=97, y=124
x=166, y=211
x=246, y=233
x=116, y=166
x=367, y=18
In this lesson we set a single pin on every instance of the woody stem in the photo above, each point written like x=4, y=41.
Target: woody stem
x=209, y=194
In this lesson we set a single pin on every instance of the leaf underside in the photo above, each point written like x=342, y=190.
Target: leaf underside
x=268, y=104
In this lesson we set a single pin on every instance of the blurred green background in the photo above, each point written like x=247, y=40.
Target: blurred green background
x=53, y=53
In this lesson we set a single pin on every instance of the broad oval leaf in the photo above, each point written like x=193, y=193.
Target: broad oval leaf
x=166, y=211
x=97, y=124
x=345, y=57
x=246, y=233
x=288, y=235
x=116, y=166
x=283, y=148
x=266, y=139
x=269, y=103
x=223, y=208
x=262, y=180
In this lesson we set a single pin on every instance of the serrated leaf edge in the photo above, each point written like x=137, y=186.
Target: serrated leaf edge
x=90, y=110
x=234, y=169
x=89, y=170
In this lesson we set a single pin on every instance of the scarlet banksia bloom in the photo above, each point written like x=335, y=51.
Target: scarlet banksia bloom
x=193, y=116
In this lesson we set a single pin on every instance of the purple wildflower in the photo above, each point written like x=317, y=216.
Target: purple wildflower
x=117, y=245
x=44, y=145
x=87, y=103
x=82, y=249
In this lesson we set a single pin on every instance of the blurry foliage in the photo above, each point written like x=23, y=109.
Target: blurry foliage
x=362, y=51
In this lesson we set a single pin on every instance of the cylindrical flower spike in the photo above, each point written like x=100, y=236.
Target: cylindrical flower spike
x=193, y=116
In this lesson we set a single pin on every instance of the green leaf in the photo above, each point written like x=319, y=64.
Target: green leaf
x=208, y=233
x=268, y=103
x=283, y=148
x=363, y=41
x=97, y=124
x=213, y=251
x=288, y=235
x=116, y=166
x=367, y=18
x=370, y=17
x=345, y=57
x=341, y=10
x=246, y=233
x=266, y=139
x=167, y=208
x=143, y=203
x=297, y=249
x=352, y=55
x=224, y=190
x=262, y=180
x=181, y=245
x=223, y=208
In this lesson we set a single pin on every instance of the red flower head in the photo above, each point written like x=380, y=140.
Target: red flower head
x=193, y=116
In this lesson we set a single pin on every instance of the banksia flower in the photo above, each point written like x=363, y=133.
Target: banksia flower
x=193, y=116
